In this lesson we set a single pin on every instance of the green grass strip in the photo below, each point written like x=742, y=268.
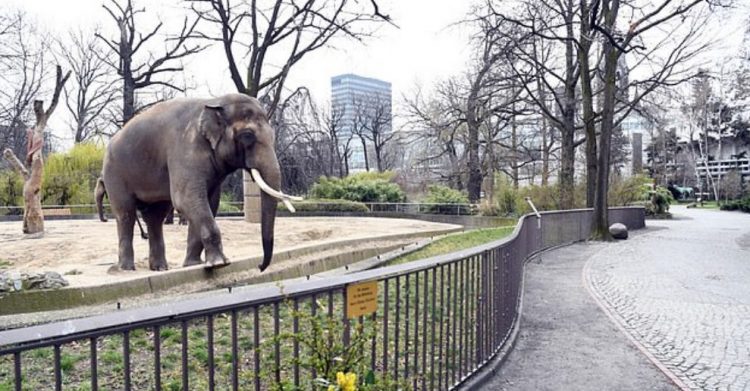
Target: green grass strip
x=455, y=242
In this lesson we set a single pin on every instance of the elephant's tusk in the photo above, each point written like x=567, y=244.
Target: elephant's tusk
x=272, y=192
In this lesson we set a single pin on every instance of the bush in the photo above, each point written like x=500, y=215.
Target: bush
x=225, y=206
x=11, y=190
x=626, y=191
x=70, y=178
x=657, y=200
x=361, y=187
x=324, y=205
x=742, y=205
x=446, y=196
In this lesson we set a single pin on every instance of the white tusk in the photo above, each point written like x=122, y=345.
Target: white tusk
x=272, y=192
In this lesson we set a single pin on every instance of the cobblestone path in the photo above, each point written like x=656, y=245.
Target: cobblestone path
x=682, y=290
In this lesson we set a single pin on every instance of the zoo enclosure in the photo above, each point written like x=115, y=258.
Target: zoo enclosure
x=438, y=321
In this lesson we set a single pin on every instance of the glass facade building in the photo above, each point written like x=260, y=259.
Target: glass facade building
x=358, y=102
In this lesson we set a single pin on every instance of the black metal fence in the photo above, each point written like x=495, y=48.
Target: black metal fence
x=437, y=322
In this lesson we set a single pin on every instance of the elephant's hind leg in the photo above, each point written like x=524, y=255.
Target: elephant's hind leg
x=125, y=224
x=154, y=215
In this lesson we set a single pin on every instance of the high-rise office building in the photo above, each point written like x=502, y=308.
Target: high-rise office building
x=360, y=103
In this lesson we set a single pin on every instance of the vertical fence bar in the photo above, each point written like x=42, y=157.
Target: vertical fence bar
x=314, y=313
x=256, y=348
x=276, y=344
x=432, y=332
x=345, y=319
x=416, y=328
x=58, y=372
x=385, y=326
x=185, y=373
x=397, y=329
x=210, y=351
x=439, y=373
x=235, y=351
x=17, y=370
x=456, y=310
x=426, y=309
x=474, y=312
x=448, y=308
x=295, y=330
x=157, y=358
x=406, y=331
x=126, y=358
x=462, y=334
x=373, y=344
x=94, y=364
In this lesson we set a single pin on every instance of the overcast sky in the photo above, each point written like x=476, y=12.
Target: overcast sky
x=427, y=46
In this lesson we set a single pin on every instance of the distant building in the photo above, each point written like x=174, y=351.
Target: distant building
x=357, y=100
x=638, y=130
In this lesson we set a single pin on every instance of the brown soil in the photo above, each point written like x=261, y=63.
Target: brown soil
x=85, y=251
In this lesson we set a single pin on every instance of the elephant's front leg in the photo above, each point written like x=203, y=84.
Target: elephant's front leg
x=195, y=243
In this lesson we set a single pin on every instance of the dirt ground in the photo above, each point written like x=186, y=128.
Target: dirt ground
x=85, y=250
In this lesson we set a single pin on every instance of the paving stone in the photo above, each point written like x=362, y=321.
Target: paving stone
x=681, y=289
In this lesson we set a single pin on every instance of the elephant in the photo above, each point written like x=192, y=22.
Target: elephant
x=177, y=154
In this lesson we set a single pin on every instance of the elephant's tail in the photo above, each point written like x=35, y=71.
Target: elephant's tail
x=100, y=191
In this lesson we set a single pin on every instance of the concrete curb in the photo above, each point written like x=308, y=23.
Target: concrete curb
x=243, y=270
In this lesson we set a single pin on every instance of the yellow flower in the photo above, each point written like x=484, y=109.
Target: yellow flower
x=346, y=382
x=331, y=388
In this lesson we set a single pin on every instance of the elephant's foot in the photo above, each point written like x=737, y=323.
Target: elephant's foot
x=216, y=259
x=192, y=262
x=127, y=265
x=158, y=265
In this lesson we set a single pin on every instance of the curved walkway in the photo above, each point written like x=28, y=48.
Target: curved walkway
x=566, y=342
x=675, y=297
x=682, y=290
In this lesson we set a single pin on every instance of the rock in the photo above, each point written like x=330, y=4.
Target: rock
x=45, y=280
x=618, y=231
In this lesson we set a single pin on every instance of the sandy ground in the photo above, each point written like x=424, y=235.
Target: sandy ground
x=85, y=250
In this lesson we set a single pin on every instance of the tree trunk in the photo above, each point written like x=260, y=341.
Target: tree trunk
x=600, y=221
x=545, y=154
x=567, y=154
x=584, y=50
x=514, y=147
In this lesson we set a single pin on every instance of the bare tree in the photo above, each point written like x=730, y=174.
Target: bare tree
x=679, y=25
x=33, y=219
x=93, y=89
x=155, y=69
x=22, y=66
x=274, y=35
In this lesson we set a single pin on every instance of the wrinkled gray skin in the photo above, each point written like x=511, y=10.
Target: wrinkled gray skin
x=177, y=154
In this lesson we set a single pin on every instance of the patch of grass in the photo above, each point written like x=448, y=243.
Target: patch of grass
x=456, y=242
x=5, y=264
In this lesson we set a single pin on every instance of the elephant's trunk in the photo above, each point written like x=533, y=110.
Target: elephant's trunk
x=269, y=174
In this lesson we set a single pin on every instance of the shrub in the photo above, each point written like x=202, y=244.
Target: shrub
x=742, y=205
x=626, y=191
x=361, y=187
x=446, y=197
x=225, y=206
x=11, y=190
x=657, y=200
x=324, y=205
x=70, y=177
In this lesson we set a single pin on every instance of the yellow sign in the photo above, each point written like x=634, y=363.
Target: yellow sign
x=361, y=299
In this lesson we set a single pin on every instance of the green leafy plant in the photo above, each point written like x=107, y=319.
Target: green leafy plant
x=362, y=187
x=444, y=197
x=327, y=205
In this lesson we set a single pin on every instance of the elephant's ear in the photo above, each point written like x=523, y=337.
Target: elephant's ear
x=213, y=123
